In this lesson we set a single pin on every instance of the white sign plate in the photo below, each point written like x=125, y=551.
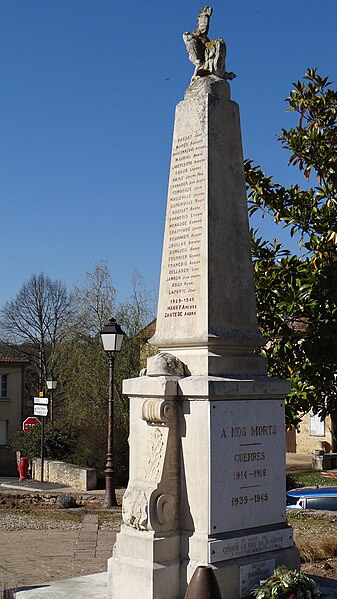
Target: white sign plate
x=224, y=549
x=252, y=574
x=41, y=400
x=40, y=410
x=247, y=482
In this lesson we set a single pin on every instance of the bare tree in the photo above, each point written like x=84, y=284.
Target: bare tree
x=94, y=302
x=136, y=312
x=82, y=366
x=35, y=319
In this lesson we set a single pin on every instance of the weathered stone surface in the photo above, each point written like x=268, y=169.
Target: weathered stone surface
x=228, y=388
x=164, y=364
x=231, y=486
x=206, y=310
x=146, y=560
x=241, y=474
x=207, y=55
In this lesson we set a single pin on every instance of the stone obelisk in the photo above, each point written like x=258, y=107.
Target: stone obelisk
x=207, y=428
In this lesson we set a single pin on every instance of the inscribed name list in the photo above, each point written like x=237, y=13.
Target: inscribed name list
x=183, y=256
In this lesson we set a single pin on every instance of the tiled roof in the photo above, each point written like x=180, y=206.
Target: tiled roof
x=149, y=330
x=13, y=359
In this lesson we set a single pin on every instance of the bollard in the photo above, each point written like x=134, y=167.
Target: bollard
x=203, y=584
x=23, y=468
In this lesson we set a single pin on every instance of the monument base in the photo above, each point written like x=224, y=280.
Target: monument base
x=237, y=577
x=161, y=573
x=207, y=486
x=144, y=565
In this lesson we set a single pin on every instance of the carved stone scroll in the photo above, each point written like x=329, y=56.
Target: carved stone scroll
x=157, y=411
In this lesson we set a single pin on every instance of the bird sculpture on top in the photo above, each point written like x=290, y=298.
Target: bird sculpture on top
x=208, y=56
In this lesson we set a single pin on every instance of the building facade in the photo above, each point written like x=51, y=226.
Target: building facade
x=12, y=372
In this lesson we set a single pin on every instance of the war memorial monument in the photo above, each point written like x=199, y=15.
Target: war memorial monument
x=207, y=427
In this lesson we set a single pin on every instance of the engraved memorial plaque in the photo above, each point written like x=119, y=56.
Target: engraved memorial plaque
x=251, y=575
x=247, y=464
x=226, y=549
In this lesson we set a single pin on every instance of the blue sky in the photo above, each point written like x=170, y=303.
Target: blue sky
x=88, y=90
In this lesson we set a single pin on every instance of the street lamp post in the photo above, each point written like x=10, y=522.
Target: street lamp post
x=112, y=337
x=51, y=385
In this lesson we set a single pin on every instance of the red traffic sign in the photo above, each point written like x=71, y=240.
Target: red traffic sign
x=29, y=423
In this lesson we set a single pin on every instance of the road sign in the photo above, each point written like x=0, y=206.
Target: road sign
x=41, y=401
x=40, y=410
x=29, y=423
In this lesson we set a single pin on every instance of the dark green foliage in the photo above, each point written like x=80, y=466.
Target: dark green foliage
x=311, y=212
x=297, y=295
x=60, y=442
x=286, y=584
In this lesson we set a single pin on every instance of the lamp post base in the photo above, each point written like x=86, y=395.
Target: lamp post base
x=109, y=502
x=110, y=493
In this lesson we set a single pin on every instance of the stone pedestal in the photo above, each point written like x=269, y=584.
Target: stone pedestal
x=207, y=486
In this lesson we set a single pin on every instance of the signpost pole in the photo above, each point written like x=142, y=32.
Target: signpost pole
x=42, y=447
x=41, y=409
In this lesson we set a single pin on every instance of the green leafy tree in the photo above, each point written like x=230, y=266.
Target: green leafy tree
x=81, y=367
x=297, y=295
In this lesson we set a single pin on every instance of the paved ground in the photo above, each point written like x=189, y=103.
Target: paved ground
x=93, y=586
x=33, y=557
x=50, y=547
x=36, y=557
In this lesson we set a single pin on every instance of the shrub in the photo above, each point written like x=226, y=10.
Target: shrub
x=84, y=445
x=28, y=443
x=59, y=442
x=66, y=501
x=91, y=448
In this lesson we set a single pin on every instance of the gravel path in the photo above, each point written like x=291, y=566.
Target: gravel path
x=14, y=521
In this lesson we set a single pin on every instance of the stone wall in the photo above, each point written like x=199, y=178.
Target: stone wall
x=83, y=479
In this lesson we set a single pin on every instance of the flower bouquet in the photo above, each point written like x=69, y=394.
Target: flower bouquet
x=286, y=584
